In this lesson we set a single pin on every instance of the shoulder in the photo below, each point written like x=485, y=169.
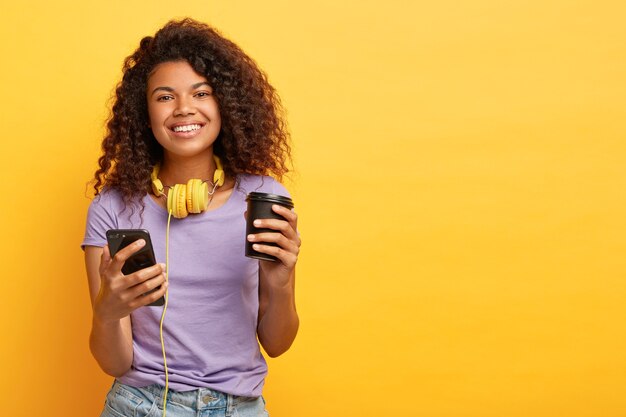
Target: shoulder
x=108, y=210
x=110, y=202
x=261, y=184
x=108, y=198
x=101, y=216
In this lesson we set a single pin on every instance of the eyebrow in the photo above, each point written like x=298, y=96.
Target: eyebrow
x=171, y=90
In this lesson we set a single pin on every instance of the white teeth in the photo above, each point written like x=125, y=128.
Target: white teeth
x=186, y=128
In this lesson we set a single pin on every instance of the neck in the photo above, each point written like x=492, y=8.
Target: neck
x=177, y=170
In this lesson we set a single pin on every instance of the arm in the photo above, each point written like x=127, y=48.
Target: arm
x=278, y=319
x=113, y=297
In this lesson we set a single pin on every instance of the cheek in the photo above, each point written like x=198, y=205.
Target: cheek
x=156, y=125
x=156, y=115
x=214, y=114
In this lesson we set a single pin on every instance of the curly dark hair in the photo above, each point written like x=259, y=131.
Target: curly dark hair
x=253, y=137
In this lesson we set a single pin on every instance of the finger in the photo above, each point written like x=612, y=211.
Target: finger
x=288, y=214
x=281, y=225
x=121, y=256
x=278, y=238
x=145, y=274
x=146, y=299
x=245, y=214
x=287, y=258
x=147, y=285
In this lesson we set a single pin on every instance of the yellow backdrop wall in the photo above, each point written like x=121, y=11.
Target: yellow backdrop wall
x=460, y=183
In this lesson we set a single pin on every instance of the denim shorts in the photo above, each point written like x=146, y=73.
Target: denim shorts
x=126, y=401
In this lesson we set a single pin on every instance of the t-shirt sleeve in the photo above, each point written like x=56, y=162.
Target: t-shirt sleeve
x=278, y=188
x=100, y=218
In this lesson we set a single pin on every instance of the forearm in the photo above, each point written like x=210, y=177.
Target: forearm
x=112, y=346
x=278, y=319
x=279, y=325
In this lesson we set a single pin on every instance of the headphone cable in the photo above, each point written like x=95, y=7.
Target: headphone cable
x=167, y=276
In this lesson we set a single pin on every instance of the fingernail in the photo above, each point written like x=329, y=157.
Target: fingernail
x=250, y=237
x=255, y=246
x=257, y=222
x=141, y=242
x=163, y=266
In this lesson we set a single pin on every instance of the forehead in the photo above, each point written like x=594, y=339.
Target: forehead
x=173, y=74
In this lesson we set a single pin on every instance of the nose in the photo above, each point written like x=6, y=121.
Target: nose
x=184, y=107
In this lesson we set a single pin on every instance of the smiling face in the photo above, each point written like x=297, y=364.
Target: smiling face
x=184, y=115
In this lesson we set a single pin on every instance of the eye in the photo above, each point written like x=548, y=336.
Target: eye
x=165, y=98
x=203, y=94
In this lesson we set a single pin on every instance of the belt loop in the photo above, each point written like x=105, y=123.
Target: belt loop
x=229, y=405
x=159, y=394
x=199, y=403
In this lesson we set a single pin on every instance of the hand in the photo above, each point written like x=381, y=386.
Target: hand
x=287, y=240
x=121, y=294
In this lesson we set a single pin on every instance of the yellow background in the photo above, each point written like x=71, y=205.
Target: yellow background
x=460, y=183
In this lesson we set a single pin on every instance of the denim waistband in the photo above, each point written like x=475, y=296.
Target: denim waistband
x=198, y=399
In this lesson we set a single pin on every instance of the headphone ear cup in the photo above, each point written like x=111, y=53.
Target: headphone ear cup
x=192, y=197
x=197, y=196
x=218, y=174
x=177, y=201
x=218, y=177
x=157, y=187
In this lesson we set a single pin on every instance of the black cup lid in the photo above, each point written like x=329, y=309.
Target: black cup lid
x=271, y=198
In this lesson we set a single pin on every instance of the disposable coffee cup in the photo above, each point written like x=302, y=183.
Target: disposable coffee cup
x=260, y=207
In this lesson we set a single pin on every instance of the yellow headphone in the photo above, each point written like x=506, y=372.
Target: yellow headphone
x=192, y=197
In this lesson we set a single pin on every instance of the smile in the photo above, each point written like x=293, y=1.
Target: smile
x=186, y=128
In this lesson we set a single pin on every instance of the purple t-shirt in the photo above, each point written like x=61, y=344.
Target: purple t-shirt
x=211, y=320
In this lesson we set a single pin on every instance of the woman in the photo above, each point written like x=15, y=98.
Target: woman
x=191, y=106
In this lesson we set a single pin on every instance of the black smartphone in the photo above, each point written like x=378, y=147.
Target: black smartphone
x=118, y=239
